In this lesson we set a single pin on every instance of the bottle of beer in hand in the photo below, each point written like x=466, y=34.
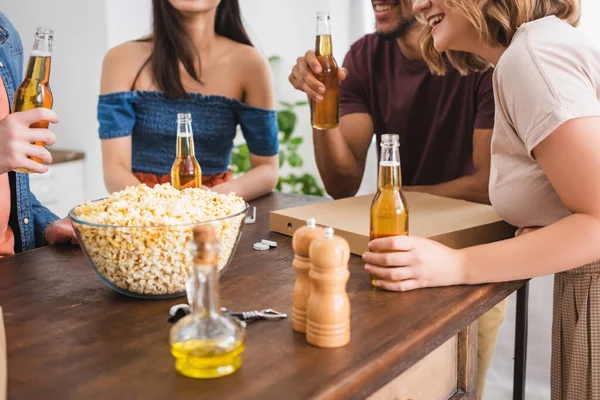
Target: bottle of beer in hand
x=35, y=91
x=325, y=113
x=185, y=172
x=389, y=210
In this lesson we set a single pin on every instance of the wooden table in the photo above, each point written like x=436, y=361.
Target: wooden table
x=69, y=336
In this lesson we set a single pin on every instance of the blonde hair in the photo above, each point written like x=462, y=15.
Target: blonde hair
x=496, y=21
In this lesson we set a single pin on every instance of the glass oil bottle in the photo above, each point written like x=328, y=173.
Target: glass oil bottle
x=206, y=343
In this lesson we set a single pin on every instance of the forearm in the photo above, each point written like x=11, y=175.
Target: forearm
x=340, y=170
x=567, y=244
x=117, y=179
x=471, y=188
x=257, y=182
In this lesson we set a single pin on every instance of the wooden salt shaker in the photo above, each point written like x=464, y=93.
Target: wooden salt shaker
x=301, y=241
x=328, y=310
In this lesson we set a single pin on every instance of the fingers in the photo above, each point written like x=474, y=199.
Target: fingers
x=23, y=150
x=398, y=243
x=32, y=165
x=39, y=152
x=304, y=80
x=41, y=135
x=391, y=274
x=391, y=259
x=302, y=76
x=61, y=231
x=311, y=59
x=35, y=115
x=313, y=88
x=402, y=286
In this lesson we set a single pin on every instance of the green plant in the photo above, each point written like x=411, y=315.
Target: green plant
x=288, y=153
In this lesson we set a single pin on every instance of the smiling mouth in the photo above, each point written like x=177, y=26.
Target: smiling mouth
x=435, y=20
x=384, y=7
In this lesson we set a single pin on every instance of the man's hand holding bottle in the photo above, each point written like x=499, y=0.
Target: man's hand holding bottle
x=17, y=140
x=303, y=77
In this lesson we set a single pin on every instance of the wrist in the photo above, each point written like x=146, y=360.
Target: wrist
x=464, y=267
x=46, y=230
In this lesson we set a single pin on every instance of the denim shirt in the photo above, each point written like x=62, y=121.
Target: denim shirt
x=28, y=218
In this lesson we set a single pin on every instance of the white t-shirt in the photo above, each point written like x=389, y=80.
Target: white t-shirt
x=549, y=74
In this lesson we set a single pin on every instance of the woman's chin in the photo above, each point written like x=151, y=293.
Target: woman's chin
x=439, y=45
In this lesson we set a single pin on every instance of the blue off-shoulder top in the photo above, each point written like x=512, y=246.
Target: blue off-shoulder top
x=151, y=120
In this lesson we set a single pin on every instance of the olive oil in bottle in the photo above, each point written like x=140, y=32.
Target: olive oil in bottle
x=206, y=343
x=389, y=210
x=207, y=359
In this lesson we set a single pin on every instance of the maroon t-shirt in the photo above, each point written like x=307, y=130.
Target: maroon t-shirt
x=434, y=115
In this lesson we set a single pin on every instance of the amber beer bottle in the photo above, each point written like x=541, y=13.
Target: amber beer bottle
x=35, y=91
x=389, y=210
x=185, y=172
x=325, y=113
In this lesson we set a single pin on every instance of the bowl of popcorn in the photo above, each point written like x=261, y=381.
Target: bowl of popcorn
x=136, y=240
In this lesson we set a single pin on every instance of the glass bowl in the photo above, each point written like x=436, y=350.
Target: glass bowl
x=150, y=261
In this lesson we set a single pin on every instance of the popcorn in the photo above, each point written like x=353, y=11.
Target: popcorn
x=140, y=242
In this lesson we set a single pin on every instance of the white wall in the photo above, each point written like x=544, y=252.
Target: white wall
x=127, y=20
x=589, y=18
x=79, y=45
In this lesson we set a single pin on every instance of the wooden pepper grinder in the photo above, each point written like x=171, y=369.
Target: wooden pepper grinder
x=301, y=241
x=328, y=310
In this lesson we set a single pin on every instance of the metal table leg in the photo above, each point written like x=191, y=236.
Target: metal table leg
x=520, y=364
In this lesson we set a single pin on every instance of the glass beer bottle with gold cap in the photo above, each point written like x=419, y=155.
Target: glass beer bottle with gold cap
x=325, y=113
x=206, y=343
x=389, y=210
x=34, y=91
x=186, y=171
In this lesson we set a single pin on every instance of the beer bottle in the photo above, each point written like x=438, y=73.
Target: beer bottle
x=389, y=210
x=325, y=114
x=35, y=91
x=185, y=172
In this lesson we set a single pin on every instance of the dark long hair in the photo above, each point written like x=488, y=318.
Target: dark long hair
x=172, y=44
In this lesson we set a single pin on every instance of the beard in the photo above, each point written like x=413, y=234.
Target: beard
x=404, y=25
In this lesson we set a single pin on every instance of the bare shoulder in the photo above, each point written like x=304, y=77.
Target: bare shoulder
x=256, y=78
x=121, y=64
x=250, y=59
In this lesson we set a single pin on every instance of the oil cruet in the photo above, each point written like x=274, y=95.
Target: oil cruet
x=206, y=343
